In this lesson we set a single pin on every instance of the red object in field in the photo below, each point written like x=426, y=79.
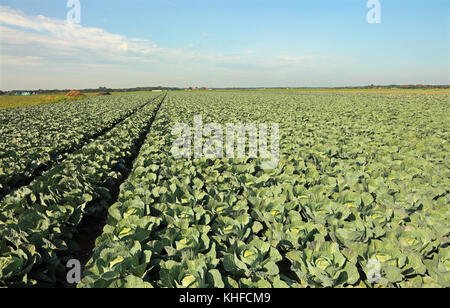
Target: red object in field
x=74, y=94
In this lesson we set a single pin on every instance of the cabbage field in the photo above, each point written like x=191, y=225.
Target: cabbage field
x=360, y=196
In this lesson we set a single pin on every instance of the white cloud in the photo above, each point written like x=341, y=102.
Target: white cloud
x=60, y=41
x=56, y=40
x=296, y=59
x=18, y=61
x=49, y=47
x=18, y=29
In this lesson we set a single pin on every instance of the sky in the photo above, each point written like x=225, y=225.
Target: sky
x=222, y=43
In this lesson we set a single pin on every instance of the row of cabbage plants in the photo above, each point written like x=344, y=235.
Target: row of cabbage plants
x=35, y=138
x=359, y=199
x=38, y=222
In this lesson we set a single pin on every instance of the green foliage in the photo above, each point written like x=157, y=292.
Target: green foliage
x=353, y=187
x=38, y=137
x=362, y=181
x=38, y=221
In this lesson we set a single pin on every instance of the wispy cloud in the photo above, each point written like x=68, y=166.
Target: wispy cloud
x=56, y=46
x=297, y=59
x=55, y=37
x=53, y=40
x=20, y=61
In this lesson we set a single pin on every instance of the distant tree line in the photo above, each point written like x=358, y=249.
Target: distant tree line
x=350, y=87
x=139, y=89
x=100, y=89
x=406, y=86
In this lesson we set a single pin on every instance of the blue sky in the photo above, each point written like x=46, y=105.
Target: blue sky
x=223, y=43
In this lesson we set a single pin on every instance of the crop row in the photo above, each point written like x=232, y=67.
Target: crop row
x=359, y=199
x=38, y=222
x=38, y=137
